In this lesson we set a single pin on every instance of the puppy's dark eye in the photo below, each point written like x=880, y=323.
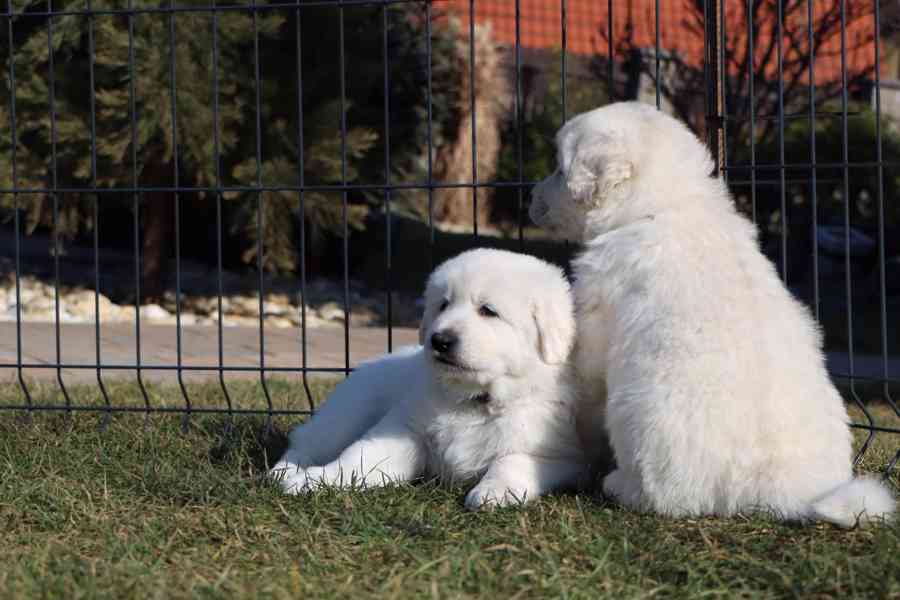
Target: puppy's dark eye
x=443, y=306
x=486, y=310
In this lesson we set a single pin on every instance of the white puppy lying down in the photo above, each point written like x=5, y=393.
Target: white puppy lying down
x=487, y=398
x=718, y=397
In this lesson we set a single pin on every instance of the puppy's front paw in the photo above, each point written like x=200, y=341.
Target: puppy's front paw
x=488, y=496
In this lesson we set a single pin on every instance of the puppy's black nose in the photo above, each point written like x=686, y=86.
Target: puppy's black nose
x=443, y=341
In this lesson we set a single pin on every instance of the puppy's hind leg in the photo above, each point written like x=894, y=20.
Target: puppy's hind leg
x=388, y=453
x=354, y=406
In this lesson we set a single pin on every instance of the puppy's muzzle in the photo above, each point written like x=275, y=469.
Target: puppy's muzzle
x=444, y=342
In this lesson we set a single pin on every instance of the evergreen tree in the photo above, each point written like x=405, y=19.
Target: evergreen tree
x=165, y=109
x=376, y=151
x=187, y=106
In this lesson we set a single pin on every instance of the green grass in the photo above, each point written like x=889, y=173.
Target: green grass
x=147, y=510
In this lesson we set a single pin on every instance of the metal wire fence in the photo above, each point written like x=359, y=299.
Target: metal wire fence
x=760, y=79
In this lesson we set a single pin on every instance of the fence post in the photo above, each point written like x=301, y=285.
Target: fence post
x=714, y=68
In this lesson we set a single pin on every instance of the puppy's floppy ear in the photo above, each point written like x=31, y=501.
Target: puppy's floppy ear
x=596, y=169
x=555, y=321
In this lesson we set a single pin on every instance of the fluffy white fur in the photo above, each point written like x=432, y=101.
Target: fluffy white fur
x=718, y=398
x=497, y=408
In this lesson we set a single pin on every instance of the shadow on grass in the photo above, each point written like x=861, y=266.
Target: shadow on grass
x=250, y=440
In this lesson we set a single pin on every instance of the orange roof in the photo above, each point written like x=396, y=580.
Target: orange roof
x=587, y=23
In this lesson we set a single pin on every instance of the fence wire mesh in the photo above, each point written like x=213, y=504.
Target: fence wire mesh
x=789, y=95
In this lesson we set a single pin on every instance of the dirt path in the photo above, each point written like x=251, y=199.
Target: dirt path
x=199, y=348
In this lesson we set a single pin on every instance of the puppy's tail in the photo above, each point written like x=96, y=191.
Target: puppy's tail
x=860, y=500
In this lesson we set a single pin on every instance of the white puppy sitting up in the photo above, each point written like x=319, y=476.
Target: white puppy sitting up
x=718, y=397
x=486, y=398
